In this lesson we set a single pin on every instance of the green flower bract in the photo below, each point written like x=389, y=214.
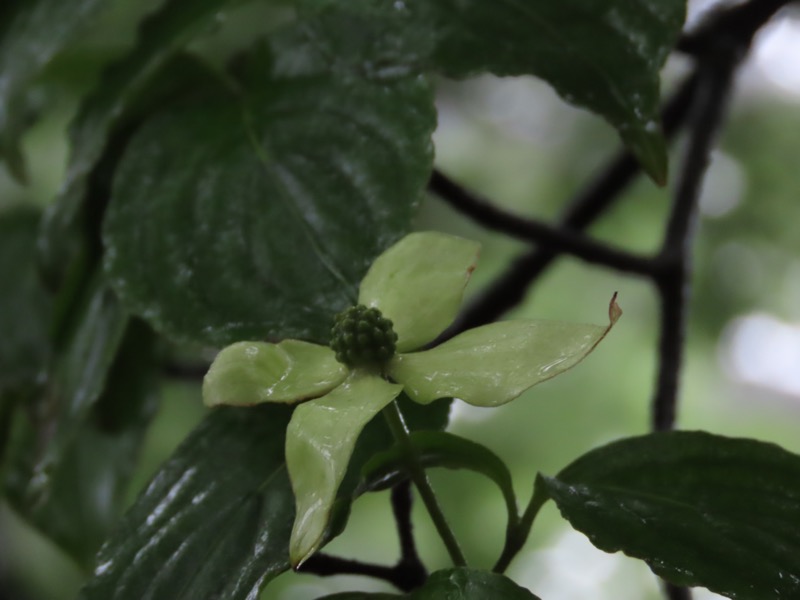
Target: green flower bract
x=410, y=294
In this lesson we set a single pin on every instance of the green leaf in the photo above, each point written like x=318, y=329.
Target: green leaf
x=32, y=33
x=215, y=520
x=418, y=283
x=604, y=56
x=150, y=74
x=493, y=364
x=441, y=449
x=455, y=584
x=24, y=306
x=319, y=443
x=250, y=215
x=76, y=447
x=701, y=510
x=247, y=373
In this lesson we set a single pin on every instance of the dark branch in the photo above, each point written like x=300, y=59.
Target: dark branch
x=738, y=23
x=560, y=240
x=509, y=288
x=326, y=565
x=676, y=592
x=408, y=574
x=716, y=72
x=410, y=562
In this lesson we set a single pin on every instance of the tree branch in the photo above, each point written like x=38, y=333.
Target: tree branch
x=408, y=574
x=509, y=288
x=415, y=572
x=560, y=240
x=673, y=282
x=325, y=565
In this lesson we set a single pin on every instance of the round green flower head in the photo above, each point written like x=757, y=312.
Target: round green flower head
x=362, y=337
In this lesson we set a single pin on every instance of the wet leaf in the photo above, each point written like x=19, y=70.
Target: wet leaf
x=320, y=440
x=700, y=509
x=603, y=56
x=255, y=215
x=493, y=364
x=247, y=373
x=216, y=519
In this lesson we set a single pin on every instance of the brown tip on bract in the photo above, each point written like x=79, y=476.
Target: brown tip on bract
x=614, y=311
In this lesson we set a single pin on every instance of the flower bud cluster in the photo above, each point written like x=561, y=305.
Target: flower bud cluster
x=362, y=336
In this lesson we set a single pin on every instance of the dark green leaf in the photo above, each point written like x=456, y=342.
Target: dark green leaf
x=220, y=512
x=255, y=215
x=24, y=305
x=441, y=449
x=128, y=89
x=701, y=510
x=604, y=56
x=75, y=447
x=215, y=520
x=32, y=33
x=454, y=584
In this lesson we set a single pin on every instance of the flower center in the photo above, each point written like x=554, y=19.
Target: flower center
x=362, y=336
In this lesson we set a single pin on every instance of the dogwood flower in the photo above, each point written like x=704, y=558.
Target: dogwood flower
x=410, y=294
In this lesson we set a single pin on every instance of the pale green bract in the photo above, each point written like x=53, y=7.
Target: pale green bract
x=418, y=284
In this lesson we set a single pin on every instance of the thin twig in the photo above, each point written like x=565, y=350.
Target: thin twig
x=407, y=575
x=557, y=239
x=325, y=565
x=716, y=69
x=674, y=282
x=394, y=419
x=401, y=509
x=720, y=44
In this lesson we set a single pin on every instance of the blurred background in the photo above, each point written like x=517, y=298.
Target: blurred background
x=517, y=143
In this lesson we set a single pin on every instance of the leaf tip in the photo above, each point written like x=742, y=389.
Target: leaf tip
x=646, y=142
x=614, y=311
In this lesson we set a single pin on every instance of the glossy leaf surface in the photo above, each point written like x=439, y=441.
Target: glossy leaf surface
x=418, y=284
x=603, y=56
x=32, y=33
x=454, y=584
x=215, y=521
x=247, y=373
x=257, y=215
x=493, y=364
x=319, y=442
x=701, y=510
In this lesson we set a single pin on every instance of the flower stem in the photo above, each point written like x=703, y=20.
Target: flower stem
x=394, y=418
